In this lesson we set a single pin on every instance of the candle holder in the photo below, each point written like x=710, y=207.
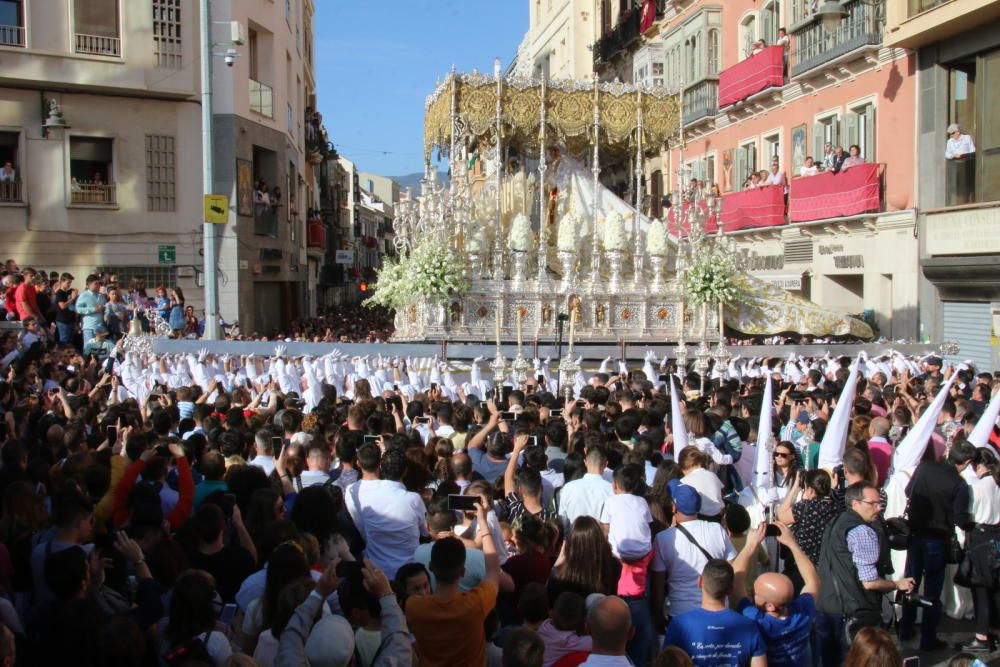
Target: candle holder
x=519, y=269
x=568, y=368
x=520, y=367
x=568, y=261
x=499, y=368
x=616, y=261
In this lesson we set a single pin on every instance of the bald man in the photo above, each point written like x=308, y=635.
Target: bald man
x=609, y=623
x=784, y=620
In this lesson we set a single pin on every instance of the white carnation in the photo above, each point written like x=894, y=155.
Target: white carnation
x=614, y=232
x=520, y=239
x=656, y=239
x=476, y=240
x=568, y=238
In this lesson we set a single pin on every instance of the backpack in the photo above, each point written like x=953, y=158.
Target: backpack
x=193, y=650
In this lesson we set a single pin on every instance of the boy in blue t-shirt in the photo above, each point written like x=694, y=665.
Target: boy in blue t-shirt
x=783, y=619
x=715, y=635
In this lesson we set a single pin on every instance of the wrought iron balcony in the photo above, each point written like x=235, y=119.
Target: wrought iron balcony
x=11, y=35
x=82, y=192
x=618, y=38
x=701, y=101
x=99, y=45
x=10, y=192
x=814, y=46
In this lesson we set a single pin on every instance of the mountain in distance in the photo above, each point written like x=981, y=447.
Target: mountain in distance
x=413, y=181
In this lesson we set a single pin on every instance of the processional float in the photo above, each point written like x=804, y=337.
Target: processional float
x=536, y=233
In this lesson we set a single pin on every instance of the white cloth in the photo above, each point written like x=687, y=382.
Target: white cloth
x=607, y=661
x=265, y=462
x=551, y=480
x=775, y=178
x=809, y=171
x=584, y=496
x=628, y=518
x=313, y=478
x=390, y=518
x=683, y=562
x=708, y=486
x=961, y=146
x=986, y=501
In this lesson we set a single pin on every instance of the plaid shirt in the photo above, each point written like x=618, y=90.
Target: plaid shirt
x=862, y=542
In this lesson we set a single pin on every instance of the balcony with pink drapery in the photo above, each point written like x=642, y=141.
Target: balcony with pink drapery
x=750, y=209
x=852, y=192
x=749, y=77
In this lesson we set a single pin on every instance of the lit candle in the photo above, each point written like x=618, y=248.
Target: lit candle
x=518, y=313
x=498, y=325
x=722, y=329
x=681, y=314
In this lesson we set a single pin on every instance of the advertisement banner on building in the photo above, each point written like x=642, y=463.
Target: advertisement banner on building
x=793, y=283
x=344, y=257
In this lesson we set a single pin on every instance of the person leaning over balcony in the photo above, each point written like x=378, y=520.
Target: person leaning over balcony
x=776, y=176
x=7, y=173
x=839, y=157
x=828, y=156
x=809, y=168
x=959, y=145
x=854, y=159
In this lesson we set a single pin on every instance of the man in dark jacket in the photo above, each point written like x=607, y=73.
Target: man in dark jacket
x=939, y=501
x=853, y=567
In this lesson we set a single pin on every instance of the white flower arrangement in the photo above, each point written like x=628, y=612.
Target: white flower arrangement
x=476, y=240
x=568, y=237
x=615, y=237
x=521, y=238
x=432, y=272
x=712, y=278
x=656, y=239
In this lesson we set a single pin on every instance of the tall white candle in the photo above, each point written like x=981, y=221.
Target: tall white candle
x=518, y=315
x=497, y=318
x=722, y=328
x=572, y=328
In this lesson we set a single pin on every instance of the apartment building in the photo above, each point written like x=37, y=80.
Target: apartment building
x=268, y=148
x=847, y=240
x=100, y=118
x=957, y=48
x=559, y=41
x=99, y=122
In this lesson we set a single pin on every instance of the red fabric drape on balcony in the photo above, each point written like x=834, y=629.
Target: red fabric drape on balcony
x=829, y=195
x=760, y=207
x=648, y=15
x=316, y=235
x=752, y=75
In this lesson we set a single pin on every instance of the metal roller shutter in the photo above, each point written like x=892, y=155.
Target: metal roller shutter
x=968, y=324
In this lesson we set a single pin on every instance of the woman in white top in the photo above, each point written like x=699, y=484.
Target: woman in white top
x=986, y=516
x=809, y=168
x=959, y=145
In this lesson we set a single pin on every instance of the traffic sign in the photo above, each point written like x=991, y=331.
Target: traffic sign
x=216, y=209
x=166, y=254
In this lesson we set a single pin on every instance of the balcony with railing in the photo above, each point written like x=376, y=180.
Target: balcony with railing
x=618, y=38
x=853, y=191
x=652, y=12
x=11, y=35
x=10, y=192
x=815, y=46
x=261, y=98
x=99, y=45
x=96, y=194
x=316, y=235
x=763, y=70
x=701, y=101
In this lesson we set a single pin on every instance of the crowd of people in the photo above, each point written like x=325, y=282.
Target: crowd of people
x=226, y=510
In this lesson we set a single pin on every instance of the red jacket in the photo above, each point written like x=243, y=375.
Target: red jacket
x=185, y=487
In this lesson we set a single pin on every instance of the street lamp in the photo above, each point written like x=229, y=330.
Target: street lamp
x=831, y=13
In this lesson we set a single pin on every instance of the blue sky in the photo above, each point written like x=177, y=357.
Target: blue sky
x=377, y=61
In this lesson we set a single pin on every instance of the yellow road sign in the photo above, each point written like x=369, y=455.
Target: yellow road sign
x=217, y=209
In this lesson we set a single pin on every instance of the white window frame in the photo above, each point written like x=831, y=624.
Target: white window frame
x=872, y=100
x=22, y=159
x=71, y=37
x=742, y=43
x=778, y=132
x=752, y=141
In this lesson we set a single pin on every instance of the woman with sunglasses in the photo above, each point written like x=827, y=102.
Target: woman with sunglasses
x=785, y=467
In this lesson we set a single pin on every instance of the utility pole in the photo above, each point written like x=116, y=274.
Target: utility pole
x=212, y=331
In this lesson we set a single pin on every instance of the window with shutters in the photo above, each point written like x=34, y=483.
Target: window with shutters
x=714, y=53
x=770, y=21
x=710, y=169
x=161, y=173
x=167, y=33
x=747, y=35
x=745, y=164
x=859, y=130
x=826, y=130
x=772, y=146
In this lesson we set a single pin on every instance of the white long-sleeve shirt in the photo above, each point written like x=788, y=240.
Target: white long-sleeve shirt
x=961, y=146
